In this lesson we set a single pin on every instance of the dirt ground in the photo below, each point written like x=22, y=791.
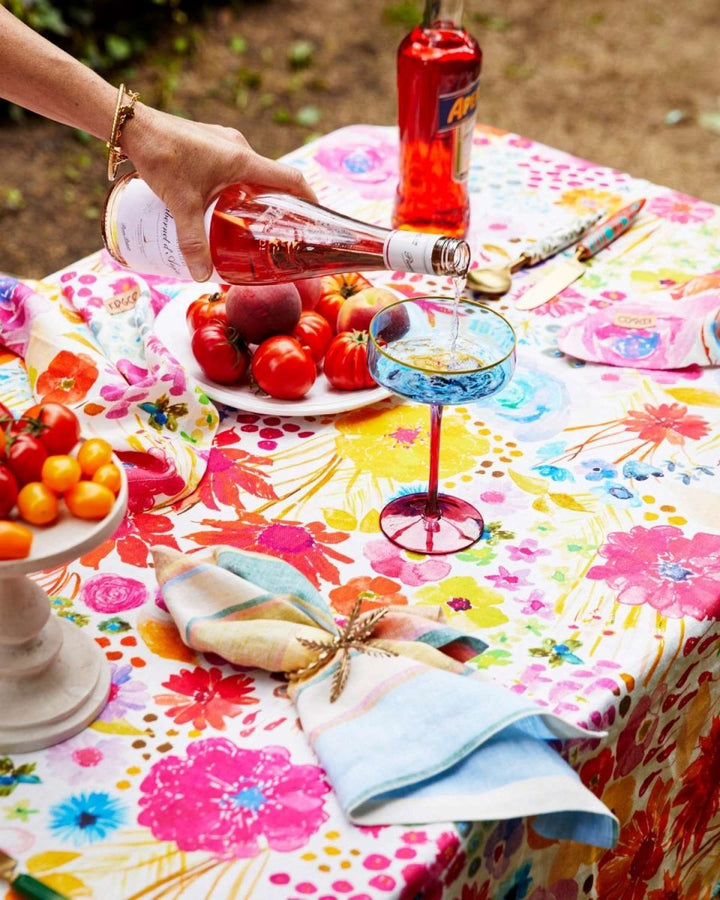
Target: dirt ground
x=630, y=85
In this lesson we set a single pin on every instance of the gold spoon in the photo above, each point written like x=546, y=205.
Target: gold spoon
x=494, y=281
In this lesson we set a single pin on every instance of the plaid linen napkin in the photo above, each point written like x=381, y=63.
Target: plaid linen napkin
x=413, y=735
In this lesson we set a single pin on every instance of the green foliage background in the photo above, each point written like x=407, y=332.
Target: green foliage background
x=106, y=34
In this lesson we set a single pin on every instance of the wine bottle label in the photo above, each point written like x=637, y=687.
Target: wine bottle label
x=140, y=233
x=456, y=114
x=409, y=251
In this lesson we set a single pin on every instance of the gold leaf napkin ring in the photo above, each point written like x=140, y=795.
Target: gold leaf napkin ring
x=355, y=635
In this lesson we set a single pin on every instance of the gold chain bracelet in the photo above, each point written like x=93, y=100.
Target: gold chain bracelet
x=123, y=112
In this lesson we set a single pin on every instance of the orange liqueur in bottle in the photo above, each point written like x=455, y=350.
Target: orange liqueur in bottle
x=438, y=68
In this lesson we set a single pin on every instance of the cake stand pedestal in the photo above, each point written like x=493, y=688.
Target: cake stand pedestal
x=54, y=679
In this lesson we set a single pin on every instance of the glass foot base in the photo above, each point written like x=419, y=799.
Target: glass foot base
x=458, y=526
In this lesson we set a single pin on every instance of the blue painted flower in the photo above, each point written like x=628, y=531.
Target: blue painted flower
x=617, y=494
x=555, y=473
x=640, y=471
x=516, y=887
x=598, y=470
x=86, y=818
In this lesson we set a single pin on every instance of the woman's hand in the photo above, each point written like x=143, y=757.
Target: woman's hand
x=188, y=163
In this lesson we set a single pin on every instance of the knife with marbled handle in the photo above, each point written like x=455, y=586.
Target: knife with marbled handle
x=563, y=275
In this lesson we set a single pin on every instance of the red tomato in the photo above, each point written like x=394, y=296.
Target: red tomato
x=345, y=364
x=55, y=424
x=314, y=332
x=207, y=308
x=24, y=456
x=8, y=491
x=283, y=368
x=220, y=353
x=335, y=291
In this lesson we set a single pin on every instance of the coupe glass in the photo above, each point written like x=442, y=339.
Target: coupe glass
x=441, y=352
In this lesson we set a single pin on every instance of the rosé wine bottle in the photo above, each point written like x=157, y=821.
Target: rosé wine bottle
x=266, y=238
x=438, y=69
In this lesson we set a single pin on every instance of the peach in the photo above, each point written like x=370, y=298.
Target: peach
x=309, y=290
x=258, y=311
x=357, y=311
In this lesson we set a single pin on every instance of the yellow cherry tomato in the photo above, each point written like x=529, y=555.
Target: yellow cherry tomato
x=15, y=540
x=60, y=473
x=89, y=500
x=109, y=475
x=93, y=453
x=37, y=504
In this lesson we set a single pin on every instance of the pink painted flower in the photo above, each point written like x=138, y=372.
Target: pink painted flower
x=387, y=559
x=659, y=566
x=526, y=551
x=112, y=594
x=204, y=697
x=535, y=605
x=505, y=580
x=228, y=801
x=677, y=207
x=86, y=758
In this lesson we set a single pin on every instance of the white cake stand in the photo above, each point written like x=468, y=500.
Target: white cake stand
x=54, y=679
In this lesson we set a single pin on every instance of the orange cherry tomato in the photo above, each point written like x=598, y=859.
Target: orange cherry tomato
x=37, y=504
x=89, y=500
x=60, y=473
x=15, y=540
x=93, y=453
x=109, y=475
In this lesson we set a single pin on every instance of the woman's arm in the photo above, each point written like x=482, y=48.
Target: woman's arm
x=186, y=163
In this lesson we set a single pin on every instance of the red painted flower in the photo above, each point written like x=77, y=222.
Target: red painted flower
x=133, y=539
x=374, y=593
x=624, y=871
x=67, y=379
x=668, y=422
x=231, y=475
x=699, y=795
x=596, y=772
x=204, y=697
x=307, y=547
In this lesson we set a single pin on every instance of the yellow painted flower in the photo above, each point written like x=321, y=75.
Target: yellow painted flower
x=463, y=596
x=395, y=442
x=583, y=199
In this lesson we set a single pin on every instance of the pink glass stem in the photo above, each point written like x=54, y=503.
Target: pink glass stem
x=431, y=509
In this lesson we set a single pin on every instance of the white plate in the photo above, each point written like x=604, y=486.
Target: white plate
x=321, y=399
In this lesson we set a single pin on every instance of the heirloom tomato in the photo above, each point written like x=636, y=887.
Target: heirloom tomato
x=220, y=353
x=283, y=368
x=89, y=500
x=207, y=308
x=55, y=424
x=8, y=491
x=37, y=504
x=314, y=332
x=15, y=540
x=345, y=364
x=93, y=453
x=60, y=473
x=335, y=291
x=24, y=456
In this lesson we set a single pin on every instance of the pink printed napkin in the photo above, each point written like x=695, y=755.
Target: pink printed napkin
x=680, y=329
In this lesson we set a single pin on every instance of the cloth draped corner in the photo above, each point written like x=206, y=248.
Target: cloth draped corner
x=86, y=338
x=416, y=735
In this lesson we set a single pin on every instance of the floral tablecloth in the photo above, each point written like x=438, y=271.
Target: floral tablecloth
x=596, y=584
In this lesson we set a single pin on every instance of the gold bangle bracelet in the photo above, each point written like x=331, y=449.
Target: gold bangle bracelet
x=123, y=112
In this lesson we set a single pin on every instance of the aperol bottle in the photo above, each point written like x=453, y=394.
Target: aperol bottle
x=438, y=69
